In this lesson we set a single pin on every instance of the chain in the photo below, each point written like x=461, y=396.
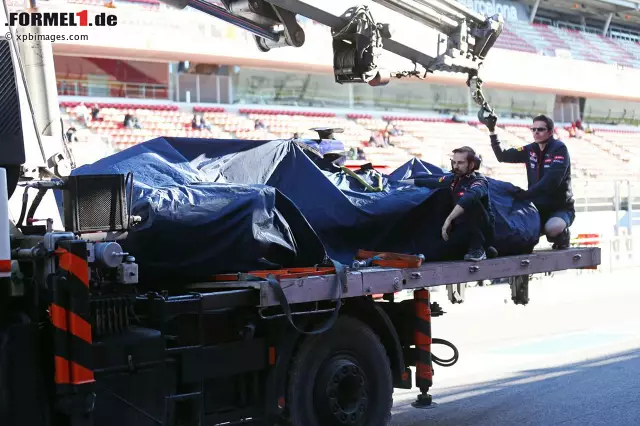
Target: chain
x=474, y=82
x=414, y=73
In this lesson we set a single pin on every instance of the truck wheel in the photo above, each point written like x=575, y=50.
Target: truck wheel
x=341, y=377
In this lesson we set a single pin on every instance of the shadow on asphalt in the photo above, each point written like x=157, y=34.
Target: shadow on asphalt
x=600, y=391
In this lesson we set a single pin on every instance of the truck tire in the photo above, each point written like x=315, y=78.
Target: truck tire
x=341, y=377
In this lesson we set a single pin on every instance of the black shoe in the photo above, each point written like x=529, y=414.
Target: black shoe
x=492, y=253
x=475, y=255
x=562, y=241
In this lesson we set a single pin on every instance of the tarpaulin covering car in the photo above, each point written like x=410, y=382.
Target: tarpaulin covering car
x=213, y=206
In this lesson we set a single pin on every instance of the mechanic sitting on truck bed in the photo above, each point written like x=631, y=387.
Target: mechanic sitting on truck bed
x=548, y=176
x=470, y=225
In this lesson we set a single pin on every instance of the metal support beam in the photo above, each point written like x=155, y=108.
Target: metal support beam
x=439, y=35
x=240, y=22
x=534, y=10
x=404, y=43
x=606, y=24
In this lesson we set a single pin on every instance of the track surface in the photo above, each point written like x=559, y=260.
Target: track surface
x=571, y=357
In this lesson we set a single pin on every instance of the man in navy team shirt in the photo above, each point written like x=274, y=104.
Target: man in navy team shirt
x=548, y=175
x=470, y=225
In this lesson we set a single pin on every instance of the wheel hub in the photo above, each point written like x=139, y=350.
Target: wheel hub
x=341, y=392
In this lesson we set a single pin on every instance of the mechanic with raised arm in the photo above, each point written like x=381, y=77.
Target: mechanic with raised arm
x=470, y=225
x=548, y=175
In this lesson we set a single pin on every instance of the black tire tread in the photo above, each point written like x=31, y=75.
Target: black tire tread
x=344, y=324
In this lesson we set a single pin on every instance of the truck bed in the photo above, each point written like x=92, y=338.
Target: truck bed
x=376, y=280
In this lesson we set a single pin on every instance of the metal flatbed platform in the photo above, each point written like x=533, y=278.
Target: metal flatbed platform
x=376, y=280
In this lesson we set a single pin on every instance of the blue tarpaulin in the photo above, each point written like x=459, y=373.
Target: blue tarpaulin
x=213, y=206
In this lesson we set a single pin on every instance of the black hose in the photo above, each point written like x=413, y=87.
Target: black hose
x=445, y=362
x=35, y=204
x=23, y=211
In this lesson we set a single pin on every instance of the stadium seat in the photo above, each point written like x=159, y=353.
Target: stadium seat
x=606, y=155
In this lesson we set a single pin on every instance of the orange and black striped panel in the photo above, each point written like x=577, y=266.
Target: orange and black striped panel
x=422, y=340
x=70, y=315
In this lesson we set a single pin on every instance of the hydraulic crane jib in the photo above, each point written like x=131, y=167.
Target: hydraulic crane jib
x=458, y=39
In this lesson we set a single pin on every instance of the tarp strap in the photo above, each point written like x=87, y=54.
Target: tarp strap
x=341, y=283
x=362, y=181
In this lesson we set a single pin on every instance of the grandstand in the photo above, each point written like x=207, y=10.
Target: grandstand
x=547, y=40
x=234, y=94
x=604, y=156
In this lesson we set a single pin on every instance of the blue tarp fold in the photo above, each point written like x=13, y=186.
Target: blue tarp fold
x=215, y=206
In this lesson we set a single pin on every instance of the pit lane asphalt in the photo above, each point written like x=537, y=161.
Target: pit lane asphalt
x=570, y=357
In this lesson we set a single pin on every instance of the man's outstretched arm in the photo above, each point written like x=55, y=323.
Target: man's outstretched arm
x=431, y=182
x=511, y=155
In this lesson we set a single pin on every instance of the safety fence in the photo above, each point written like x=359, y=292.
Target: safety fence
x=617, y=252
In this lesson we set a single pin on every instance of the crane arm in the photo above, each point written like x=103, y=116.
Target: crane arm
x=434, y=35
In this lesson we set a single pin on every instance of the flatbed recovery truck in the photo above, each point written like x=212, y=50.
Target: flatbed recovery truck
x=84, y=342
